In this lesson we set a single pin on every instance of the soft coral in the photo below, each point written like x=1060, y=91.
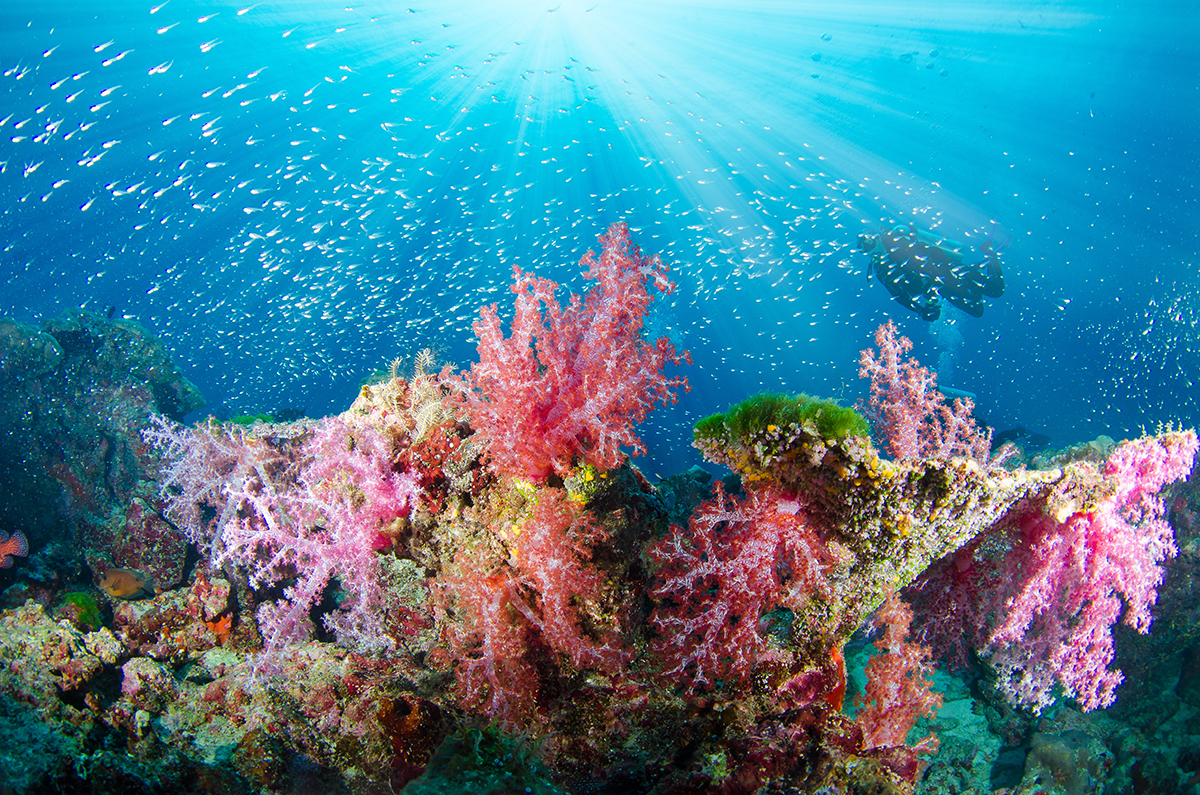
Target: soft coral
x=737, y=561
x=572, y=381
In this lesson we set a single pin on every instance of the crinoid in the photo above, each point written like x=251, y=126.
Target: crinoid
x=427, y=402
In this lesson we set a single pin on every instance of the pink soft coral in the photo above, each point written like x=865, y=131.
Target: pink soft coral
x=307, y=506
x=572, y=381
x=909, y=413
x=1040, y=601
x=736, y=561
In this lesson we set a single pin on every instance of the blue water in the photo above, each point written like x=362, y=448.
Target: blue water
x=291, y=194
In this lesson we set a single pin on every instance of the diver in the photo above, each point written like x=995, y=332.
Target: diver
x=921, y=270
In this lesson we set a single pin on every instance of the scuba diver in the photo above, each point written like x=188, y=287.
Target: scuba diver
x=920, y=270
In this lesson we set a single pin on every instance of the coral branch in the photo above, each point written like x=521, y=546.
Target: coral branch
x=898, y=689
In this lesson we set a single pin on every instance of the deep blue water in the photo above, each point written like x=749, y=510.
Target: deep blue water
x=292, y=193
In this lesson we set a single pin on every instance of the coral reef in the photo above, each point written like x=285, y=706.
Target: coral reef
x=461, y=583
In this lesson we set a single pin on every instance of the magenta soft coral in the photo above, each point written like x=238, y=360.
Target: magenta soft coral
x=737, y=560
x=1058, y=625
x=572, y=381
x=1041, y=609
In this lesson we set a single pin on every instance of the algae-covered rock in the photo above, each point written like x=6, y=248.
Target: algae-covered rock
x=26, y=351
x=74, y=397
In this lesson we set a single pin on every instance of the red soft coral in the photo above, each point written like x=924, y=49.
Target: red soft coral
x=552, y=552
x=479, y=611
x=500, y=619
x=572, y=381
x=736, y=561
x=898, y=689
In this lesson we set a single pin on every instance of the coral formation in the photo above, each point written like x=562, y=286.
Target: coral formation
x=394, y=595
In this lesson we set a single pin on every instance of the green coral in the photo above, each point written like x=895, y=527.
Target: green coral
x=767, y=411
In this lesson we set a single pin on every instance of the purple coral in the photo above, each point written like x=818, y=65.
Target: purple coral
x=308, y=507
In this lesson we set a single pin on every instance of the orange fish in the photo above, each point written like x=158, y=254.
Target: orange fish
x=126, y=584
x=17, y=545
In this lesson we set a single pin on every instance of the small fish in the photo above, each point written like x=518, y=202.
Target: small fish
x=105, y=45
x=16, y=546
x=164, y=29
x=126, y=584
x=115, y=58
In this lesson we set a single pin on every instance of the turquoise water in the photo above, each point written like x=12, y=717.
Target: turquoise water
x=291, y=194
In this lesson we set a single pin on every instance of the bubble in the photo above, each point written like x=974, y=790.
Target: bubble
x=816, y=56
x=906, y=57
x=826, y=37
x=944, y=72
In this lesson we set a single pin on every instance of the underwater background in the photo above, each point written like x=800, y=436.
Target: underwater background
x=292, y=193
x=231, y=210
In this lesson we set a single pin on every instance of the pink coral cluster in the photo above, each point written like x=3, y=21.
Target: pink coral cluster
x=572, y=381
x=738, y=560
x=1074, y=574
x=1042, y=607
x=909, y=413
x=310, y=507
